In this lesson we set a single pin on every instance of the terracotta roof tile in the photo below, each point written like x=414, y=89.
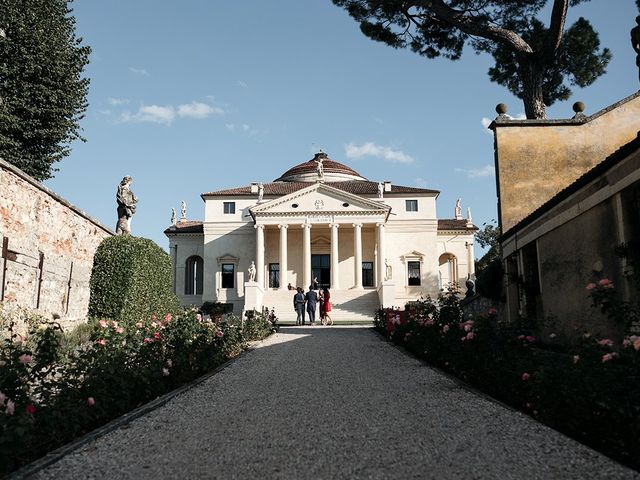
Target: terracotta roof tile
x=358, y=187
x=190, y=226
x=454, y=224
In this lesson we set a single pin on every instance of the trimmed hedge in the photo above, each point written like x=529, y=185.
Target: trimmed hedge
x=131, y=280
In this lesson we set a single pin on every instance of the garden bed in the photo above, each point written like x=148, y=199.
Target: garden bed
x=589, y=391
x=56, y=387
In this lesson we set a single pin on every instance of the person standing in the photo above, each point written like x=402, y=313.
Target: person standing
x=312, y=300
x=298, y=306
x=326, y=295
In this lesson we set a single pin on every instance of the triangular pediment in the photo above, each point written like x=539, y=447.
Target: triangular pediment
x=319, y=199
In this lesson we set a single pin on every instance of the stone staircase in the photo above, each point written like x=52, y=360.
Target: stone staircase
x=348, y=306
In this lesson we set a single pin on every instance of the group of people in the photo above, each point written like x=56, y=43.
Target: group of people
x=310, y=301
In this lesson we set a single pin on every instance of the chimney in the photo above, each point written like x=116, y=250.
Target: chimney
x=254, y=187
x=387, y=186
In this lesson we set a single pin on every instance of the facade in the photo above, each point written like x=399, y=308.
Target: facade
x=562, y=227
x=323, y=220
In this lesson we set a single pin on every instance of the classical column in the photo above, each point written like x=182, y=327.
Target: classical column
x=335, y=273
x=283, y=257
x=306, y=255
x=357, y=254
x=260, y=255
x=382, y=255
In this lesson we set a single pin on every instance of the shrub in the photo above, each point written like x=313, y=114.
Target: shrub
x=131, y=280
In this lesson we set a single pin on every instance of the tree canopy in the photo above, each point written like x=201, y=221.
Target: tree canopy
x=536, y=62
x=43, y=94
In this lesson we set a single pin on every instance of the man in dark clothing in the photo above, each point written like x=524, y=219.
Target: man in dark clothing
x=298, y=306
x=312, y=300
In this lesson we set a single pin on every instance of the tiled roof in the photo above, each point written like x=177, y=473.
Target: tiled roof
x=358, y=187
x=329, y=166
x=190, y=226
x=454, y=224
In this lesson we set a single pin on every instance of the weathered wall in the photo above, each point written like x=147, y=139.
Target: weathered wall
x=535, y=159
x=35, y=223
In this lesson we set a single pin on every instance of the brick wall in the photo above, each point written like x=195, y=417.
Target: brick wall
x=47, y=248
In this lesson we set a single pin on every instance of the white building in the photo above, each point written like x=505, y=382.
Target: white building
x=371, y=243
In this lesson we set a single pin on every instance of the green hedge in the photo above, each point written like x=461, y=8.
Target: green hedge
x=131, y=280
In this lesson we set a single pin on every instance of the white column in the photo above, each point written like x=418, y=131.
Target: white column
x=260, y=255
x=471, y=267
x=335, y=273
x=357, y=254
x=283, y=257
x=382, y=254
x=306, y=255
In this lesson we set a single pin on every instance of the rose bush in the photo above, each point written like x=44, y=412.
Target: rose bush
x=54, y=387
x=588, y=390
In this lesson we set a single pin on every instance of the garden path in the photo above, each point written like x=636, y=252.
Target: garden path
x=333, y=403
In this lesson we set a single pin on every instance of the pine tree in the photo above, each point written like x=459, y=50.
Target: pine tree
x=43, y=94
x=535, y=62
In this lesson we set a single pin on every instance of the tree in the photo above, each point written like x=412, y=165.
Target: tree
x=489, y=270
x=42, y=91
x=535, y=62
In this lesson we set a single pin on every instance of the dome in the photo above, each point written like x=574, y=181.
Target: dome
x=308, y=171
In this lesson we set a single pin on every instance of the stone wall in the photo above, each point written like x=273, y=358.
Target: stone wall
x=48, y=247
x=535, y=159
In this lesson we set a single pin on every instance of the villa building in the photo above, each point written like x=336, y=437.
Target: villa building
x=371, y=243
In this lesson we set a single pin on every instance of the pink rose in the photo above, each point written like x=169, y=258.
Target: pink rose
x=605, y=342
x=11, y=407
x=525, y=376
x=530, y=338
x=605, y=282
x=103, y=324
x=492, y=311
x=148, y=340
x=591, y=286
x=91, y=402
x=167, y=317
x=165, y=372
x=3, y=397
x=219, y=333
x=31, y=409
x=114, y=324
x=470, y=336
x=608, y=356
x=25, y=358
x=156, y=335
x=467, y=328
x=445, y=329
x=169, y=363
x=102, y=341
x=199, y=317
x=520, y=337
x=139, y=325
x=636, y=344
x=119, y=330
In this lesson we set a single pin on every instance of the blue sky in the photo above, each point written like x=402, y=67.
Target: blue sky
x=200, y=95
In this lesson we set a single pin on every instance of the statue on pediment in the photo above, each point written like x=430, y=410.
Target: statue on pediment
x=260, y=192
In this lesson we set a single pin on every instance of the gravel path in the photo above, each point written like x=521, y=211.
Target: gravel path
x=333, y=403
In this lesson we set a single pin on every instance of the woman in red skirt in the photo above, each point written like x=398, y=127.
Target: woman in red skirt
x=327, y=307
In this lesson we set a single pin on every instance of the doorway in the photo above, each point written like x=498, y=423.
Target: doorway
x=321, y=269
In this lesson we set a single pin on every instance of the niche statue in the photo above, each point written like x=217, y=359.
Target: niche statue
x=126, y=206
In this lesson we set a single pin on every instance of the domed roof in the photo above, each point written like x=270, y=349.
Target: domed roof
x=308, y=171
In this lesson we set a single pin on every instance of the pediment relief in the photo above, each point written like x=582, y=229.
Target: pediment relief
x=318, y=199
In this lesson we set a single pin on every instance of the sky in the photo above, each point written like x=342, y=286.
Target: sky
x=198, y=95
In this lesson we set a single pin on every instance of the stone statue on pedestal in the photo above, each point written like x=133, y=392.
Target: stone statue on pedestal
x=183, y=211
x=458, y=210
x=126, y=206
x=173, y=216
x=252, y=272
x=320, y=168
x=380, y=190
x=260, y=192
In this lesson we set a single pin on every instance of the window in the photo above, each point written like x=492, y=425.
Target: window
x=194, y=269
x=228, y=270
x=367, y=274
x=414, y=273
x=229, y=207
x=274, y=275
x=412, y=206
